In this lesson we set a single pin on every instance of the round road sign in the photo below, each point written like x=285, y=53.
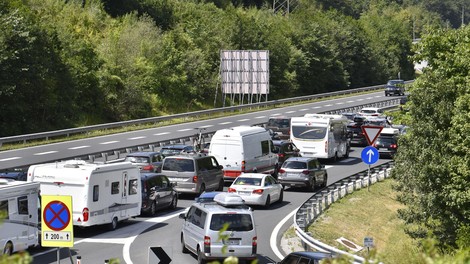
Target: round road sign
x=56, y=215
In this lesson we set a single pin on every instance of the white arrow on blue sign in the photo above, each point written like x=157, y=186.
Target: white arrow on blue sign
x=370, y=155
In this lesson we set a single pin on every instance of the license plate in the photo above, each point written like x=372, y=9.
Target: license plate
x=355, y=134
x=245, y=193
x=231, y=242
x=293, y=174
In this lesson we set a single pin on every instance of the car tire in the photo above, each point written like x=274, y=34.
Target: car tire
x=325, y=183
x=268, y=201
x=8, y=250
x=312, y=185
x=174, y=202
x=281, y=196
x=200, y=258
x=184, y=249
x=153, y=208
x=113, y=225
x=221, y=185
x=202, y=188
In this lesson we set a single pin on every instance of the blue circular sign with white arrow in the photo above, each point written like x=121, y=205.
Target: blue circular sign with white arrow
x=370, y=155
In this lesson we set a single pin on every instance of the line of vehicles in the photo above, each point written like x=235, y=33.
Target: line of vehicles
x=145, y=182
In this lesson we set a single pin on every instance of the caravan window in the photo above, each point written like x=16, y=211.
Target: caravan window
x=96, y=193
x=133, y=184
x=4, y=209
x=115, y=188
x=265, y=147
x=23, y=205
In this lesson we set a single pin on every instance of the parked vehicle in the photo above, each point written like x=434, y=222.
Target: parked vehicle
x=284, y=150
x=321, y=136
x=172, y=150
x=395, y=87
x=157, y=193
x=243, y=149
x=280, y=125
x=257, y=189
x=146, y=161
x=201, y=232
x=101, y=193
x=303, y=172
x=355, y=131
x=387, y=142
x=194, y=173
x=19, y=229
x=306, y=257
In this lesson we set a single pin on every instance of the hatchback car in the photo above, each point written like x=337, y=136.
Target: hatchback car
x=303, y=172
x=147, y=161
x=157, y=193
x=306, y=257
x=257, y=189
x=172, y=150
x=285, y=150
x=395, y=87
x=386, y=145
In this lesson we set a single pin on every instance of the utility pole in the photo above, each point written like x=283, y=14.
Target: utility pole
x=285, y=6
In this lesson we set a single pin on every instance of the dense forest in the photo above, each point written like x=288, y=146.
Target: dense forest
x=71, y=63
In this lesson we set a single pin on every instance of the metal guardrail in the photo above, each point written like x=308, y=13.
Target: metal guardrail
x=311, y=209
x=72, y=131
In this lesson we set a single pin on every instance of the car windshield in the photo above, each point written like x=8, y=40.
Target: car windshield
x=298, y=165
x=134, y=159
x=309, y=132
x=395, y=82
x=247, y=181
x=235, y=222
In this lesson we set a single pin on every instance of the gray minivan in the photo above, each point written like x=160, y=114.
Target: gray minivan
x=194, y=173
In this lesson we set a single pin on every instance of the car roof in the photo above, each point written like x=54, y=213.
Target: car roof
x=177, y=146
x=280, y=142
x=143, y=154
x=303, y=159
x=314, y=255
x=147, y=175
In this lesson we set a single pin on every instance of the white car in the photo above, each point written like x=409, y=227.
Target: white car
x=371, y=111
x=257, y=189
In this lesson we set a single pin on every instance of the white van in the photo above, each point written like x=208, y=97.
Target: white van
x=101, y=193
x=19, y=229
x=244, y=149
x=203, y=224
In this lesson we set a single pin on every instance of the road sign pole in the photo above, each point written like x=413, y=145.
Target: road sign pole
x=368, y=178
x=58, y=255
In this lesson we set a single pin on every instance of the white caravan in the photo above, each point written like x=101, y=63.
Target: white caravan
x=19, y=221
x=321, y=136
x=243, y=149
x=101, y=193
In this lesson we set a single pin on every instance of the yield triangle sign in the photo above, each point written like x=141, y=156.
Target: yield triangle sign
x=371, y=133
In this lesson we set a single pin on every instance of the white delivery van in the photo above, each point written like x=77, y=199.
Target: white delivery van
x=244, y=149
x=101, y=193
x=19, y=226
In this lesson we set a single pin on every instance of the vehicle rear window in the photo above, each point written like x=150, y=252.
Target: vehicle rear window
x=279, y=123
x=134, y=159
x=236, y=222
x=247, y=181
x=170, y=151
x=385, y=139
x=294, y=165
x=176, y=164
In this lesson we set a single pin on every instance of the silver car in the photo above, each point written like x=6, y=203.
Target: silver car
x=303, y=172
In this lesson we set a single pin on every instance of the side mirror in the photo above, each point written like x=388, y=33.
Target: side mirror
x=182, y=216
x=220, y=167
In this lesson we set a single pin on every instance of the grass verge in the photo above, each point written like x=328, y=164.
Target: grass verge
x=373, y=214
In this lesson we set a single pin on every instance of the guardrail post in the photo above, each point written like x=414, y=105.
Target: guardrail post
x=117, y=153
x=91, y=158
x=128, y=150
x=105, y=156
x=152, y=147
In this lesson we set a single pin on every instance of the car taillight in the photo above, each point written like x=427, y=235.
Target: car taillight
x=306, y=172
x=254, y=244
x=393, y=146
x=231, y=190
x=243, y=166
x=375, y=145
x=85, y=214
x=280, y=155
x=281, y=171
x=258, y=191
x=148, y=167
x=195, y=178
x=207, y=244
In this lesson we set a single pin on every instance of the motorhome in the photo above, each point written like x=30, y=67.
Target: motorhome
x=321, y=136
x=243, y=149
x=19, y=221
x=101, y=193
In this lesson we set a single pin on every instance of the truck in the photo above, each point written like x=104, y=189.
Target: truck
x=19, y=215
x=102, y=193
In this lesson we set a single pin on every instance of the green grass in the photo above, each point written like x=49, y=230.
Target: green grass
x=373, y=214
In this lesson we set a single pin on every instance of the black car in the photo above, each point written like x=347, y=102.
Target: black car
x=386, y=145
x=306, y=257
x=395, y=87
x=17, y=174
x=355, y=131
x=284, y=150
x=157, y=193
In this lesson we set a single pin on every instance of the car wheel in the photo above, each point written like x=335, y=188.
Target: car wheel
x=174, y=202
x=221, y=185
x=113, y=225
x=183, y=246
x=8, y=250
x=312, y=185
x=347, y=153
x=281, y=196
x=325, y=182
x=268, y=201
x=153, y=208
x=202, y=189
x=200, y=258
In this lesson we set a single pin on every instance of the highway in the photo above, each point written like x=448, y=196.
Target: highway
x=131, y=241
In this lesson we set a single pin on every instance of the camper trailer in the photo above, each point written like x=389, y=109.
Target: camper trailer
x=19, y=220
x=101, y=193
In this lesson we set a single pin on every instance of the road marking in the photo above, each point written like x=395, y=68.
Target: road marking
x=350, y=101
x=276, y=114
x=134, y=138
x=347, y=160
x=109, y=142
x=290, y=112
x=206, y=126
x=259, y=117
x=12, y=158
x=272, y=239
x=368, y=98
x=45, y=153
x=328, y=105
x=162, y=133
x=316, y=107
x=225, y=123
x=304, y=109
x=340, y=103
x=79, y=147
x=184, y=129
x=243, y=120
x=358, y=100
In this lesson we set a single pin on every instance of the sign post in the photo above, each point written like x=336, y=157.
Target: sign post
x=370, y=155
x=368, y=243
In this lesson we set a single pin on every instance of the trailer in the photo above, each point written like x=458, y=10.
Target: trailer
x=19, y=220
x=102, y=193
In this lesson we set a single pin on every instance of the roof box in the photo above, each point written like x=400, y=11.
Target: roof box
x=228, y=199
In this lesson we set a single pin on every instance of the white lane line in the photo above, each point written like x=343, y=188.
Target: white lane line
x=12, y=158
x=290, y=112
x=350, y=101
x=368, y=98
x=162, y=133
x=45, y=153
x=109, y=142
x=328, y=105
x=206, y=126
x=378, y=96
x=340, y=103
x=225, y=123
x=276, y=114
x=243, y=120
x=184, y=129
x=304, y=109
x=134, y=138
x=272, y=239
x=79, y=147
x=316, y=107
x=360, y=99
x=259, y=117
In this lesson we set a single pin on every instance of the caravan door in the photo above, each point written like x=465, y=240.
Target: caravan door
x=124, y=194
